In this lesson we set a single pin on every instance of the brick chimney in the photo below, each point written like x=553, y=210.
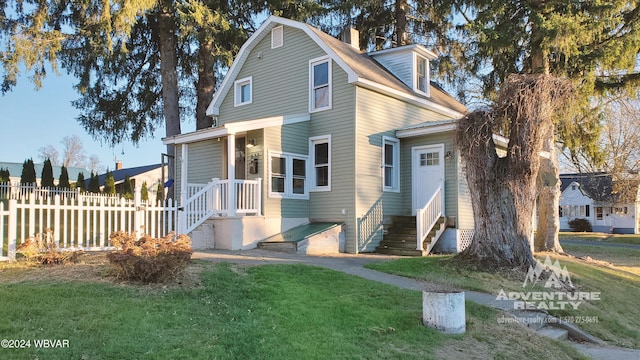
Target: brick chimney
x=118, y=165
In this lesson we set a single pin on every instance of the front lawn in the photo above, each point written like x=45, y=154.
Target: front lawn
x=613, y=238
x=226, y=311
x=617, y=313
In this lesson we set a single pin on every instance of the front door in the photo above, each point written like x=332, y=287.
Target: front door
x=427, y=171
x=240, y=158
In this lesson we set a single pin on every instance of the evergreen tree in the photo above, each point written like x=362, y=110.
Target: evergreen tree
x=80, y=182
x=144, y=192
x=109, y=184
x=63, y=181
x=4, y=175
x=94, y=184
x=127, y=189
x=160, y=193
x=46, y=179
x=28, y=175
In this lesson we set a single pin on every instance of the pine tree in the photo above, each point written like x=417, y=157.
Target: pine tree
x=160, y=193
x=94, y=184
x=80, y=182
x=28, y=175
x=127, y=189
x=109, y=184
x=4, y=175
x=144, y=192
x=63, y=181
x=46, y=179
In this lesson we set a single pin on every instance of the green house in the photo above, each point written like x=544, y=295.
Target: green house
x=309, y=129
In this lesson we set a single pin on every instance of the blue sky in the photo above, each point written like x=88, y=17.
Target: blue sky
x=31, y=119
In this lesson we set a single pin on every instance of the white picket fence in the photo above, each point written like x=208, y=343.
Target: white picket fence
x=80, y=221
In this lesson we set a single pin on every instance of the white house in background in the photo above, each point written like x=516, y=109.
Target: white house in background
x=151, y=174
x=591, y=196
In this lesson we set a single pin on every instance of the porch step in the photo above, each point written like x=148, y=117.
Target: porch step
x=400, y=238
x=312, y=238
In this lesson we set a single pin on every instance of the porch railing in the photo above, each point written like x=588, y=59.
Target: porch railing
x=428, y=216
x=219, y=198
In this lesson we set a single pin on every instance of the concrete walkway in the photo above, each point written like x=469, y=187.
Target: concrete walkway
x=354, y=265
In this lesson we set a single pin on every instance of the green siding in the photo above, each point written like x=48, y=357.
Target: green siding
x=204, y=161
x=339, y=122
x=465, y=208
x=379, y=115
x=450, y=170
x=290, y=139
x=280, y=79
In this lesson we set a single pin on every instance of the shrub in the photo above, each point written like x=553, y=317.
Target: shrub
x=149, y=259
x=43, y=249
x=580, y=225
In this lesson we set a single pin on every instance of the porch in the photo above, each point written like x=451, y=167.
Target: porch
x=219, y=198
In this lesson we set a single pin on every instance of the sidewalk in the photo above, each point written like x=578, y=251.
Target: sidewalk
x=354, y=265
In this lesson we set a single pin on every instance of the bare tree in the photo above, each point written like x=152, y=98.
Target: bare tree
x=73, y=154
x=94, y=164
x=619, y=147
x=49, y=152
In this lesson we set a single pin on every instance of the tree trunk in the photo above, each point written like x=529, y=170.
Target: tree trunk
x=206, y=84
x=503, y=188
x=168, y=69
x=401, y=22
x=546, y=238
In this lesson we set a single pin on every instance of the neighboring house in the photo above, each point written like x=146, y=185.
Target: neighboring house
x=151, y=174
x=592, y=196
x=15, y=171
x=309, y=129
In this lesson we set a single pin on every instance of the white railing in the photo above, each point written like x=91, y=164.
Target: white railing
x=84, y=222
x=428, y=216
x=370, y=226
x=221, y=198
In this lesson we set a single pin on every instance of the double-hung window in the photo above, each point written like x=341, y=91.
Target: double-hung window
x=320, y=154
x=288, y=175
x=422, y=75
x=390, y=164
x=319, y=84
x=243, y=92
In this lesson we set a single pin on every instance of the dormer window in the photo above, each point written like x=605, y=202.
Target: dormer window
x=422, y=75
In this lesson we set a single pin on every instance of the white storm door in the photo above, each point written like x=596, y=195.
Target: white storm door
x=427, y=173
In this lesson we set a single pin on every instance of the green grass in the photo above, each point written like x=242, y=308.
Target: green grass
x=234, y=312
x=618, y=313
x=613, y=238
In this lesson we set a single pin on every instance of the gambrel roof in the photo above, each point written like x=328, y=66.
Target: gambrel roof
x=361, y=69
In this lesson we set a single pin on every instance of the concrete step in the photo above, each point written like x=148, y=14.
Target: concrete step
x=398, y=244
x=553, y=333
x=398, y=251
x=288, y=247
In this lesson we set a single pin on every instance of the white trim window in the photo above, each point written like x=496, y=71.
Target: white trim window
x=243, y=91
x=319, y=84
x=422, y=75
x=320, y=155
x=390, y=164
x=288, y=175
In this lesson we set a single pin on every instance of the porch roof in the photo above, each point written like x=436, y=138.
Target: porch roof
x=426, y=128
x=235, y=127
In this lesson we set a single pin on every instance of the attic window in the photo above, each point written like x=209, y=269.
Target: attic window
x=243, y=91
x=422, y=75
x=277, y=39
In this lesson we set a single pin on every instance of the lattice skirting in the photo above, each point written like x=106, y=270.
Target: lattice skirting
x=464, y=239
